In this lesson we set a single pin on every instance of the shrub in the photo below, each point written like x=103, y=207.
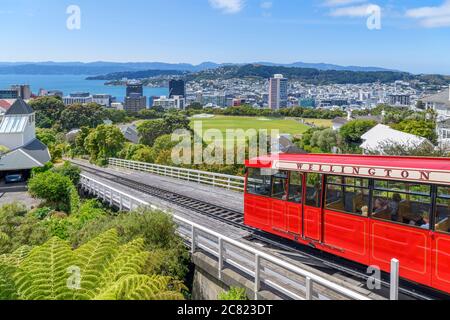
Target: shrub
x=234, y=294
x=70, y=171
x=52, y=187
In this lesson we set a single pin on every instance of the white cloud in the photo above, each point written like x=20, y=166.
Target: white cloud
x=228, y=6
x=352, y=12
x=337, y=3
x=432, y=17
x=266, y=5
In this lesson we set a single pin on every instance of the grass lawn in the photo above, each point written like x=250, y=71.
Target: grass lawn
x=223, y=123
x=320, y=122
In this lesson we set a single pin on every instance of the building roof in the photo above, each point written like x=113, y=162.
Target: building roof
x=35, y=154
x=5, y=104
x=19, y=107
x=442, y=97
x=375, y=138
x=131, y=133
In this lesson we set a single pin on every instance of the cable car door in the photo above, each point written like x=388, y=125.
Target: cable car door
x=312, y=207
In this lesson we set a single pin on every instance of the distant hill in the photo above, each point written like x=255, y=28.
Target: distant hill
x=103, y=68
x=315, y=76
x=137, y=74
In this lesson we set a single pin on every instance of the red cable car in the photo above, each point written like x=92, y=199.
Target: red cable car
x=368, y=209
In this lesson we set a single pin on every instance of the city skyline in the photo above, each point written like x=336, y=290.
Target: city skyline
x=411, y=36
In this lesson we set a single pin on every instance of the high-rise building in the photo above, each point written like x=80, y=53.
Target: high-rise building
x=78, y=98
x=23, y=90
x=135, y=88
x=177, y=88
x=278, y=92
x=9, y=94
x=135, y=100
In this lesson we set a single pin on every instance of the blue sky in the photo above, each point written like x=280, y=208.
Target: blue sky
x=414, y=35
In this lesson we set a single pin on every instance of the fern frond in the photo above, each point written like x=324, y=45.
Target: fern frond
x=140, y=287
x=43, y=274
x=92, y=258
x=8, y=290
x=4, y=238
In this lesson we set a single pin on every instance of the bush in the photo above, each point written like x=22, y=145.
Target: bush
x=70, y=171
x=54, y=188
x=235, y=294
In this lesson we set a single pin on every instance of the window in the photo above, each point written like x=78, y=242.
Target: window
x=313, y=190
x=443, y=210
x=349, y=195
x=258, y=183
x=295, y=187
x=405, y=203
x=279, y=185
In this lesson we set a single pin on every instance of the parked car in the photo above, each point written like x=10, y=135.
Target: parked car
x=14, y=178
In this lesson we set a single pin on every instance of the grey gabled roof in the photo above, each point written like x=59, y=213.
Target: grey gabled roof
x=19, y=107
x=38, y=151
x=441, y=97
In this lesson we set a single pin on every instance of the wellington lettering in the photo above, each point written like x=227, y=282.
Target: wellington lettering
x=375, y=172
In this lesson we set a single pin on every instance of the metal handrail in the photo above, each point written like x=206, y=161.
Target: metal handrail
x=226, y=181
x=128, y=202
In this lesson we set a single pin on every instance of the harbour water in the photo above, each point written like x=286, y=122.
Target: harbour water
x=72, y=83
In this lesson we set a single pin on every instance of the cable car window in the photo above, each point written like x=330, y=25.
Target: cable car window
x=313, y=190
x=443, y=210
x=257, y=183
x=351, y=195
x=279, y=185
x=295, y=187
x=401, y=202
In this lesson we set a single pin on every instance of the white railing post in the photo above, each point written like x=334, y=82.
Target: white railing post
x=395, y=275
x=220, y=258
x=309, y=288
x=193, y=235
x=257, y=275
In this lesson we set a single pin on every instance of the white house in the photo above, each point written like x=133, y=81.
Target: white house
x=439, y=102
x=18, y=136
x=380, y=136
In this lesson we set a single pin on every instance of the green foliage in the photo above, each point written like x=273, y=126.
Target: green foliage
x=19, y=228
x=150, y=130
x=354, y=130
x=104, y=142
x=421, y=128
x=55, y=188
x=42, y=213
x=48, y=166
x=158, y=231
x=82, y=115
x=234, y=294
x=48, y=110
x=70, y=171
x=101, y=269
x=325, y=140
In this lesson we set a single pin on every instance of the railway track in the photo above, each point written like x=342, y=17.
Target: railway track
x=310, y=256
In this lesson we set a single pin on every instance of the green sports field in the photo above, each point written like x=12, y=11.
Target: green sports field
x=223, y=123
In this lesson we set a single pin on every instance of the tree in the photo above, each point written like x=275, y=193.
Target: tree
x=70, y=171
x=195, y=106
x=104, y=142
x=55, y=188
x=102, y=269
x=352, y=131
x=48, y=110
x=116, y=116
x=150, y=130
x=82, y=115
x=421, y=128
x=325, y=140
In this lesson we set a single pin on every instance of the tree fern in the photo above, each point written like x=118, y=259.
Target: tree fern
x=141, y=287
x=92, y=259
x=43, y=274
x=101, y=270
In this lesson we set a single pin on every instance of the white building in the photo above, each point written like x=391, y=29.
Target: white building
x=78, y=98
x=18, y=135
x=176, y=102
x=104, y=100
x=278, y=92
x=380, y=136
